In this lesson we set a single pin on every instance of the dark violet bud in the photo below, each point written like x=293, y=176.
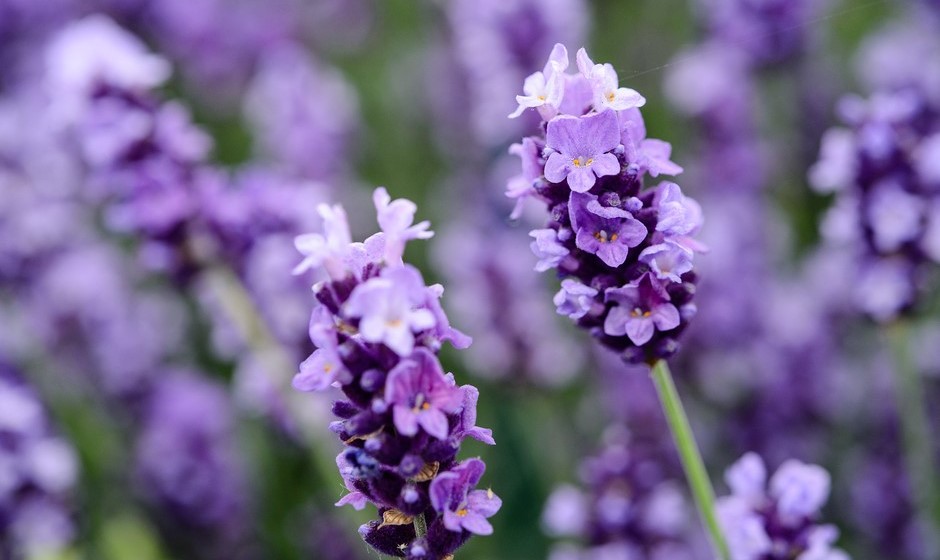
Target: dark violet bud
x=621, y=249
x=377, y=328
x=344, y=409
x=372, y=380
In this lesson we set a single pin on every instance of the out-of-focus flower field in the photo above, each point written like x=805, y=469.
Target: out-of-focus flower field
x=207, y=351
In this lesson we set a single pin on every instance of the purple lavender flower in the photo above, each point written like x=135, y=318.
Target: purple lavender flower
x=420, y=395
x=186, y=456
x=574, y=299
x=606, y=231
x=377, y=328
x=641, y=308
x=144, y=158
x=37, y=472
x=881, y=168
x=463, y=508
x=582, y=149
x=297, y=106
x=631, y=506
x=778, y=522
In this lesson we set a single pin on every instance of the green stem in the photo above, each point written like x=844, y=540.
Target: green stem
x=242, y=311
x=421, y=526
x=915, y=425
x=691, y=458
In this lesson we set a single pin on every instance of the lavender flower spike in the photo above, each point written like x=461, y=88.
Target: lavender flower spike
x=377, y=328
x=610, y=236
x=778, y=523
x=623, y=251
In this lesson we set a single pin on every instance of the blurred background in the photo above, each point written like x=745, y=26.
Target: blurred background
x=151, y=325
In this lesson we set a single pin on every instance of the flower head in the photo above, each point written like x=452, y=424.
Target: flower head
x=778, y=523
x=463, y=508
x=605, y=86
x=390, y=308
x=640, y=309
x=605, y=231
x=624, y=252
x=396, y=218
x=421, y=395
x=544, y=90
x=582, y=149
x=377, y=328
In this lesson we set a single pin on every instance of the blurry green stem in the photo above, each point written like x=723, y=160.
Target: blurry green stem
x=241, y=310
x=421, y=526
x=689, y=454
x=914, y=424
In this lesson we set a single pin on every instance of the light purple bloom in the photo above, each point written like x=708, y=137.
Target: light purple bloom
x=421, y=395
x=582, y=147
x=391, y=308
x=464, y=509
x=894, y=215
x=678, y=214
x=760, y=523
x=574, y=299
x=330, y=249
x=467, y=425
x=325, y=366
x=800, y=490
x=668, y=260
x=95, y=50
x=396, y=218
x=544, y=90
x=650, y=154
x=605, y=86
x=547, y=248
x=522, y=186
x=608, y=232
x=642, y=308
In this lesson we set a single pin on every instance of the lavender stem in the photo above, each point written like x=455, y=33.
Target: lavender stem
x=689, y=453
x=914, y=423
x=421, y=526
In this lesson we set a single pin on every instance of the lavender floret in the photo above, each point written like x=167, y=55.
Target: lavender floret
x=377, y=328
x=777, y=521
x=623, y=250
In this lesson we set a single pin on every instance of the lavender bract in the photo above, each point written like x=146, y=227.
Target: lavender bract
x=627, y=247
x=377, y=328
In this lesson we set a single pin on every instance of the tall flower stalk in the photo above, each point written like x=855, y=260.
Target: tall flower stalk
x=377, y=329
x=623, y=250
